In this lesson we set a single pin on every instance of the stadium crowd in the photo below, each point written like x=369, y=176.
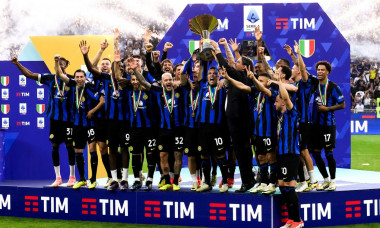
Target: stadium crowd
x=365, y=85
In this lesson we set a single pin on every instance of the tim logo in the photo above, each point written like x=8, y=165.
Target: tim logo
x=40, y=122
x=31, y=203
x=353, y=209
x=253, y=17
x=282, y=23
x=22, y=80
x=5, y=123
x=5, y=202
x=218, y=211
x=88, y=206
x=152, y=209
x=5, y=94
x=23, y=108
x=40, y=93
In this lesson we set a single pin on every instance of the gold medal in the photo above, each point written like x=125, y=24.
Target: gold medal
x=83, y=99
x=193, y=114
x=67, y=88
x=61, y=98
x=212, y=106
x=145, y=97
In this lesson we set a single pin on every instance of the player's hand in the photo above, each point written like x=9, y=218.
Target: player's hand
x=288, y=49
x=296, y=48
x=156, y=56
x=90, y=114
x=234, y=45
x=277, y=75
x=261, y=51
x=131, y=63
x=148, y=47
x=14, y=59
x=57, y=57
x=167, y=46
x=83, y=47
x=104, y=45
x=214, y=44
x=116, y=56
x=322, y=108
x=225, y=75
x=195, y=53
x=223, y=41
x=116, y=34
x=258, y=33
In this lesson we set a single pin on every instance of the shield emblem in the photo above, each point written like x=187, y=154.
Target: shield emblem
x=307, y=47
x=193, y=45
x=4, y=80
x=40, y=108
x=5, y=108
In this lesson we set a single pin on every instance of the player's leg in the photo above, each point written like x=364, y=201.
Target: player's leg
x=55, y=139
x=80, y=140
x=70, y=152
x=91, y=136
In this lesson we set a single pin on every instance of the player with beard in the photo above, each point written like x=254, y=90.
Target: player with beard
x=87, y=102
x=99, y=118
x=60, y=113
x=116, y=114
x=156, y=69
x=170, y=138
x=143, y=133
x=211, y=119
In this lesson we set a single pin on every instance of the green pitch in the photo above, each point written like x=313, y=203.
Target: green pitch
x=365, y=153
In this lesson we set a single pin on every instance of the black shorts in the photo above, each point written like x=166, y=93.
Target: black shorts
x=305, y=135
x=324, y=137
x=117, y=133
x=288, y=167
x=171, y=140
x=211, y=139
x=60, y=132
x=83, y=135
x=191, y=141
x=143, y=137
x=264, y=145
x=101, y=130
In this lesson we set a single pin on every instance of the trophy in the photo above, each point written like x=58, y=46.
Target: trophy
x=204, y=25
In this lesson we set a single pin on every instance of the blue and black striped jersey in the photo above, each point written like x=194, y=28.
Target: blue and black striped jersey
x=61, y=98
x=264, y=112
x=169, y=119
x=208, y=112
x=333, y=96
x=287, y=131
x=305, y=100
x=116, y=106
x=140, y=109
x=191, y=101
x=88, y=99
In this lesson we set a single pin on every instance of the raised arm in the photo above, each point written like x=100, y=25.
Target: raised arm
x=235, y=48
x=260, y=51
x=117, y=64
x=230, y=56
x=103, y=46
x=301, y=64
x=84, y=49
x=116, y=36
x=133, y=65
x=167, y=46
x=24, y=70
x=237, y=84
x=291, y=53
x=258, y=84
x=58, y=70
x=284, y=94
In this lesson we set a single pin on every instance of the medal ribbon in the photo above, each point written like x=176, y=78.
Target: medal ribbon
x=194, y=104
x=60, y=91
x=324, y=97
x=279, y=124
x=170, y=109
x=212, y=96
x=259, y=102
x=114, y=86
x=136, y=104
x=78, y=99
